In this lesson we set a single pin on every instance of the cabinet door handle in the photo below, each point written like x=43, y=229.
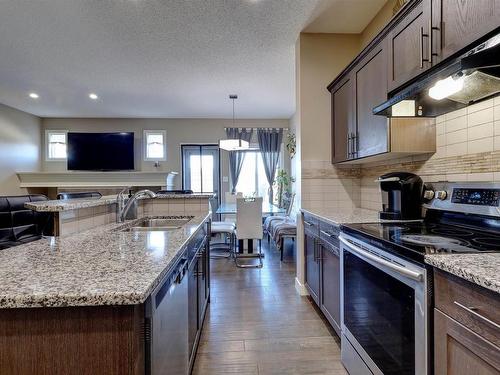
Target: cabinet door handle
x=421, y=40
x=351, y=146
x=431, y=38
x=307, y=223
x=318, y=252
x=348, y=145
x=355, y=144
x=472, y=310
x=327, y=234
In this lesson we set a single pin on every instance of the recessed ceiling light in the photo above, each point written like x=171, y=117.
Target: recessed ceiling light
x=34, y=95
x=93, y=96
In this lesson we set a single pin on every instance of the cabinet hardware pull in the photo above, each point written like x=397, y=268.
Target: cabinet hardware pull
x=355, y=144
x=348, y=145
x=421, y=40
x=430, y=42
x=327, y=234
x=307, y=223
x=472, y=310
x=431, y=38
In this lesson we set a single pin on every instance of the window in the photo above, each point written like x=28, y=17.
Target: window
x=252, y=179
x=155, y=147
x=56, y=144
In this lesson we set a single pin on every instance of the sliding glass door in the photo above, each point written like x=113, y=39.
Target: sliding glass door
x=200, y=168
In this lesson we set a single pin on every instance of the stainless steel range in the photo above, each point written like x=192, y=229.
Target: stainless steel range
x=386, y=286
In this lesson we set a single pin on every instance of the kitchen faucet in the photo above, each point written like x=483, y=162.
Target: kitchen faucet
x=124, y=208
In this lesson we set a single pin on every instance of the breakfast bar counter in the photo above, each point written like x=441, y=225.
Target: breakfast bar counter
x=104, y=300
x=101, y=266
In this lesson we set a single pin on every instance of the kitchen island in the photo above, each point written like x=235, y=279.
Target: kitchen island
x=91, y=302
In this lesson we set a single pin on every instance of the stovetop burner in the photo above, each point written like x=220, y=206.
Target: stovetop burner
x=430, y=240
x=488, y=242
x=452, y=232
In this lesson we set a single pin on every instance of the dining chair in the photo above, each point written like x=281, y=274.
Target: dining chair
x=231, y=198
x=226, y=229
x=249, y=226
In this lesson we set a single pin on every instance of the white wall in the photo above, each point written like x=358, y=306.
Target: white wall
x=179, y=131
x=20, y=147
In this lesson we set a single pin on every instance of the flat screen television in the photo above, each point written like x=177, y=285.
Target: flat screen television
x=100, y=151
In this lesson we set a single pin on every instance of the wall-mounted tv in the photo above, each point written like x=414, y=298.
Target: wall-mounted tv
x=100, y=151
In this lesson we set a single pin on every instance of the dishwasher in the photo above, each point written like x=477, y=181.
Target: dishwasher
x=167, y=324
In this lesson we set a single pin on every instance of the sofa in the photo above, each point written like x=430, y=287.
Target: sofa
x=19, y=225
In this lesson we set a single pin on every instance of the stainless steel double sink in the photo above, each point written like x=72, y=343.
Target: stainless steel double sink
x=159, y=224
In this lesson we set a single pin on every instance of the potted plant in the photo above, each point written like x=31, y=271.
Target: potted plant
x=283, y=184
x=291, y=144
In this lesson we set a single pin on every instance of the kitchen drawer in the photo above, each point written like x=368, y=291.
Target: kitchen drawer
x=329, y=233
x=311, y=224
x=475, y=307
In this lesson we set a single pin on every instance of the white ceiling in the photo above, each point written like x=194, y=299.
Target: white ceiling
x=160, y=58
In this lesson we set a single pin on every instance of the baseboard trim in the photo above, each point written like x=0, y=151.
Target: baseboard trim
x=301, y=288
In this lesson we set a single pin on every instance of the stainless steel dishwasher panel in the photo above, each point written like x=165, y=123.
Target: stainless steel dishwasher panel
x=169, y=325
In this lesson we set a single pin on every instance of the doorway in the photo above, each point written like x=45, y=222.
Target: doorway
x=201, y=168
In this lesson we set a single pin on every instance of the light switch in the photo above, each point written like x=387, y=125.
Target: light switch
x=225, y=179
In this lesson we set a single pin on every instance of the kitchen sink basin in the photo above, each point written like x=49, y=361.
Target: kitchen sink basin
x=147, y=225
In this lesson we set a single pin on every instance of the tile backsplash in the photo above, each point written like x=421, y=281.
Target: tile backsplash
x=327, y=187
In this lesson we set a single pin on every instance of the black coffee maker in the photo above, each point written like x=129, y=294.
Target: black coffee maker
x=401, y=196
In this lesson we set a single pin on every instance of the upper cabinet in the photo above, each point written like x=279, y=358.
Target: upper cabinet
x=409, y=46
x=458, y=23
x=371, y=131
x=342, y=120
x=421, y=35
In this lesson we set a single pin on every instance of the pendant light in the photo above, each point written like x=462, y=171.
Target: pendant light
x=233, y=144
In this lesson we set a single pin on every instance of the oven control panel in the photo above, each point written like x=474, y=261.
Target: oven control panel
x=476, y=196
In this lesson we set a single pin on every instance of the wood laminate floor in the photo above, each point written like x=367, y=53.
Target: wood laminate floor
x=258, y=324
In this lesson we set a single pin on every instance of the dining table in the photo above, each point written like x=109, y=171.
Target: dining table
x=267, y=209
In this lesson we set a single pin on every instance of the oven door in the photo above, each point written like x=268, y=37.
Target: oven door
x=385, y=313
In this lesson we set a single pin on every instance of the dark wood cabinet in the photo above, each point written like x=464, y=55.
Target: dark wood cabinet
x=343, y=127
x=311, y=266
x=330, y=284
x=371, y=134
x=458, y=23
x=408, y=46
x=466, y=327
x=322, y=267
x=460, y=351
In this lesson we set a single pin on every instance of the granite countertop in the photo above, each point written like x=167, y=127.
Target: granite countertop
x=345, y=216
x=481, y=269
x=74, y=204
x=101, y=266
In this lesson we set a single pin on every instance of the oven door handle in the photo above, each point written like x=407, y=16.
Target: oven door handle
x=417, y=276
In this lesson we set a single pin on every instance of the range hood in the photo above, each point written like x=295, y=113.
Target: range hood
x=453, y=84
